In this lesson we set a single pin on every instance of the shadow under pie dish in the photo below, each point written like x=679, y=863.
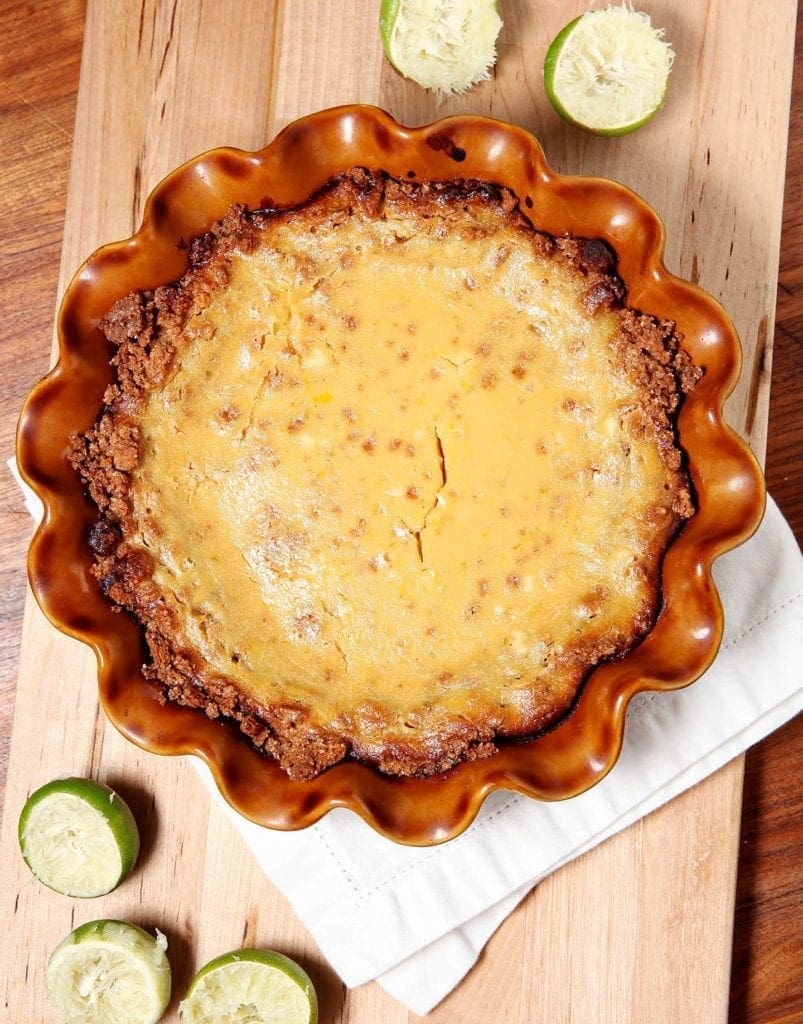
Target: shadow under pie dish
x=341, y=408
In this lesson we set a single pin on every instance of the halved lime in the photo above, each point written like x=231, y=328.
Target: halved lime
x=608, y=70
x=109, y=972
x=256, y=985
x=446, y=45
x=78, y=837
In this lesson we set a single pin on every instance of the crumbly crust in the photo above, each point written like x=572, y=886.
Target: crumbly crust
x=149, y=329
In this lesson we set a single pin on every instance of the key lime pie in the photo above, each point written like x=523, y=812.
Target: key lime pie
x=385, y=475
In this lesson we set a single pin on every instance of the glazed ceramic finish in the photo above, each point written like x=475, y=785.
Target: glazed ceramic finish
x=730, y=493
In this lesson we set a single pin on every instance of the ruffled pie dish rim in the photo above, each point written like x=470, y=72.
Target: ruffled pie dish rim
x=579, y=751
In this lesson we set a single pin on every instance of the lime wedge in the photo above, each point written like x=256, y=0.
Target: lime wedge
x=256, y=985
x=109, y=972
x=445, y=45
x=78, y=837
x=608, y=70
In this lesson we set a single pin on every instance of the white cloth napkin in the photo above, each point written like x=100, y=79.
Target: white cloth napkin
x=415, y=920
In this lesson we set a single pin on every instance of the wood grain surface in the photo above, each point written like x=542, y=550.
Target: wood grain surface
x=640, y=929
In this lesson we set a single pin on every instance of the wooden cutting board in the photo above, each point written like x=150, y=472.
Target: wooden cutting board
x=639, y=930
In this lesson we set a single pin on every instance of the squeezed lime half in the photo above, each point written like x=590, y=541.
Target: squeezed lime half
x=258, y=985
x=445, y=45
x=608, y=71
x=78, y=837
x=109, y=972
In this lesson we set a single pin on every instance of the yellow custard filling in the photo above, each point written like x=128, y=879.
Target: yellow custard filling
x=386, y=478
x=386, y=475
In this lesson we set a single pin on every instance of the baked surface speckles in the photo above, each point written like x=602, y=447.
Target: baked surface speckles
x=387, y=474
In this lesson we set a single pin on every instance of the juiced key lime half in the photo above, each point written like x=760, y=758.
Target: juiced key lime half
x=250, y=985
x=109, y=972
x=78, y=837
x=445, y=45
x=608, y=70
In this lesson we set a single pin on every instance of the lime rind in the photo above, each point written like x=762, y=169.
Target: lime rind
x=550, y=63
x=444, y=45
x=78, y=837
x=388, y=13
x=250, y=984
x=110, y=972
x=607, y=71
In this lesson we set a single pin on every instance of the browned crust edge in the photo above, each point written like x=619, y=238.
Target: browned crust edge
x=146, y=329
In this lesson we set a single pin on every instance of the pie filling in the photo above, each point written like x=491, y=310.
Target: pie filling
x=385, y=475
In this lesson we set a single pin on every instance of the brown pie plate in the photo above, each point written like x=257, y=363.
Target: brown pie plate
x=582, y=748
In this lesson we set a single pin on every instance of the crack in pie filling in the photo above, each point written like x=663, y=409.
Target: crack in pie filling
x=387, y=474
